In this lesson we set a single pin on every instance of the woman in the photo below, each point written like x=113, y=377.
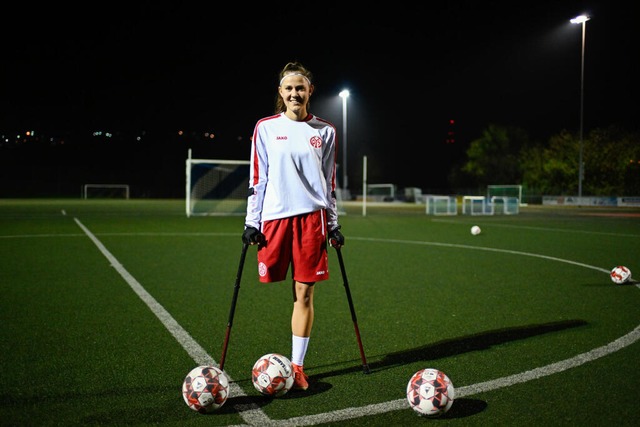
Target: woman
x=291, y=209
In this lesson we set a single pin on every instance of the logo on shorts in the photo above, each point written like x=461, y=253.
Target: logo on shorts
x=262, y=269
x=316, y=142
x=320, y=273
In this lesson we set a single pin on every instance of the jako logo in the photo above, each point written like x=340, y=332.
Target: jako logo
x=281, y=137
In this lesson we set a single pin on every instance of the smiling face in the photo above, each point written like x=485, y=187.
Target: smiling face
x=295, y=90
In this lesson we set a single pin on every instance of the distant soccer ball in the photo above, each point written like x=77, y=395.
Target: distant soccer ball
x=430, y=392
x=272, y=375
x=205, y=389
x=620, y=275
x=475, y=230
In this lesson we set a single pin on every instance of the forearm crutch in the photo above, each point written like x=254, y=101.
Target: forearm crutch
x=234, y=300
x=365, y=365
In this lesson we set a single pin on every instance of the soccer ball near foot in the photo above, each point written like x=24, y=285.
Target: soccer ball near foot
x=430, y=392
x=205, y=389
x=272, y=375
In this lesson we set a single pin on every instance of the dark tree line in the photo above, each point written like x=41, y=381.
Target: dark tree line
x=506, y=155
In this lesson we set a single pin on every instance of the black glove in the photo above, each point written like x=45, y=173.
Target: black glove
x=252, y=236
x=336, y=238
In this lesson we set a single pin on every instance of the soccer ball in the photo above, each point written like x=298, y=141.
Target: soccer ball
x=620, y=275
x=272, y=375
x=205, y=389
x=475, y=230
x=430, y=392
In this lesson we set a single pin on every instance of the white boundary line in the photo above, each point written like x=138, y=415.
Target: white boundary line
x=253, y=415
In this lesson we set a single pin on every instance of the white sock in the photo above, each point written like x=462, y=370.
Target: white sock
x=298, y=349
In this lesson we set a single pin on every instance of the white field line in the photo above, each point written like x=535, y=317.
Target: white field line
x=254, y=416
x=478, y=248
x=195, y=350
x=553, y=230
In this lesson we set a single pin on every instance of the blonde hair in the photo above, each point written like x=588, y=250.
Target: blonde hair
x=291, y=68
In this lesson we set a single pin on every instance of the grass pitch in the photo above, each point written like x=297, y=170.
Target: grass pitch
x=107, y=305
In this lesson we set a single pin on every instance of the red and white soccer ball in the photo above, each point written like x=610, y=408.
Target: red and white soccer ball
x=272, y=375
x=430, y=392
x=620, y=275
x=205, y=389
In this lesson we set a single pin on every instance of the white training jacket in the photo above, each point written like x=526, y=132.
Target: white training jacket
x=293, y=169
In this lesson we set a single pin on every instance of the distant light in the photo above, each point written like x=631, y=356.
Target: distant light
x=344, y=94
x=580, y=19
x=451, y=139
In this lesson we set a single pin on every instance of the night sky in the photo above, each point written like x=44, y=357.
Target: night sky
x=163, y=66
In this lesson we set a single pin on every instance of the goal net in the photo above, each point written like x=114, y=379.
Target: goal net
x=216, y=187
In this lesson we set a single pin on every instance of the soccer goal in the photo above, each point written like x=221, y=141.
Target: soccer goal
x=505, y=205
x=440, y=205
x=381, y=192
x=105, y=191
x=476, y=205
x=514, y=191
x=216, y=187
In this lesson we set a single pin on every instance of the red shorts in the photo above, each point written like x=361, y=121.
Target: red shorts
x=299, y=241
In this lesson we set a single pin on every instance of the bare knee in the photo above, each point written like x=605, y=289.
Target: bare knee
x=302, y=291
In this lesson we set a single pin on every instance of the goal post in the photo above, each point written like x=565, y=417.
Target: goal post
x=216, y=187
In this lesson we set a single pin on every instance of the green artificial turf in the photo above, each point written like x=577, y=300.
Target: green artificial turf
x=80, y=346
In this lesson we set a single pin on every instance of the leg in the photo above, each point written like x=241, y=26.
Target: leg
x=302, y=317
x=309, y=265
x=301, y=324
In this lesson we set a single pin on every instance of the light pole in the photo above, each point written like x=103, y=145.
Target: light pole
x=582, y=19
x=344, y=95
